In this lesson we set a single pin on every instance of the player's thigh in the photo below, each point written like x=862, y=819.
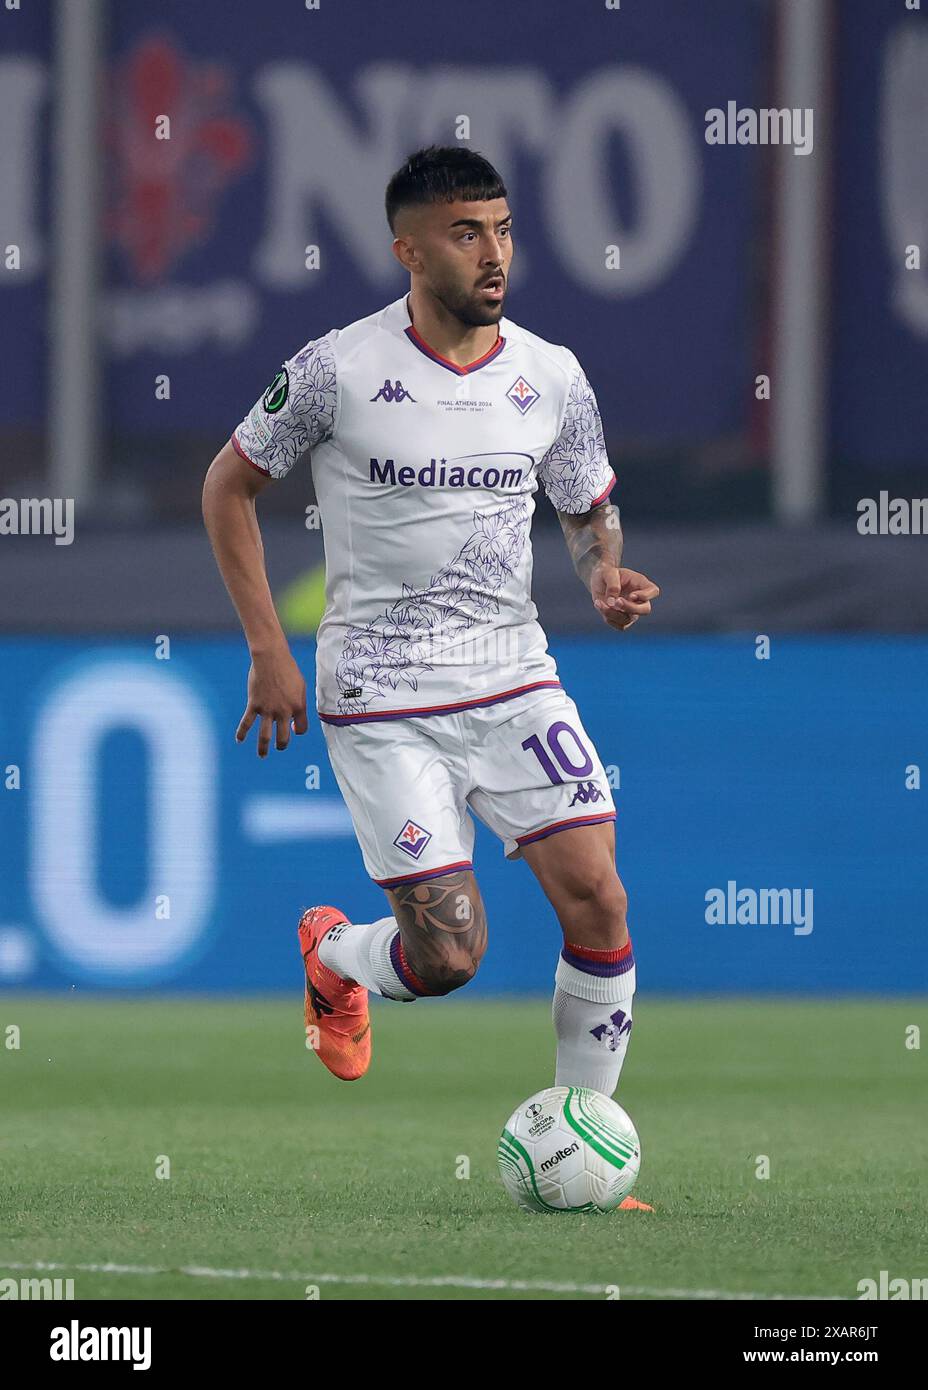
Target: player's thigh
x=443, y=927
x=405, y=793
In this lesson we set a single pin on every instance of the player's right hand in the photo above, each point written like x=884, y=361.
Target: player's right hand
x=276, y=695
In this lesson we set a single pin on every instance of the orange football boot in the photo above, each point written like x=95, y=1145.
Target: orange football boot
x=336, y=1010
x=632, y=1204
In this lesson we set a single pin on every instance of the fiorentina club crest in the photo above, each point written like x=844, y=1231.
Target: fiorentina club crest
x=611, y=1033
x=165, y=193
x=412, y=839
x=522, y=395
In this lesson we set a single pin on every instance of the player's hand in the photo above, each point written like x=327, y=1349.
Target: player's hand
x=276, y=695
x=621, y=596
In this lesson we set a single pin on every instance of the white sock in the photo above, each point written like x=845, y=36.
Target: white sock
x=592, y=1015
x=371, y=956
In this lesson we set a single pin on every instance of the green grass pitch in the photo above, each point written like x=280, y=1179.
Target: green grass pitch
x=281, y=1177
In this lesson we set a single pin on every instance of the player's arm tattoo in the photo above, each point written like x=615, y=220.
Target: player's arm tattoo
x=443, y=927
x=593, y=537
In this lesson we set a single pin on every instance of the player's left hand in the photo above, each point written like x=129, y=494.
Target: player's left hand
x=621, y=596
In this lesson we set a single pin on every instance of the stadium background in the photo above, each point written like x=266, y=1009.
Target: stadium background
x=143, y=849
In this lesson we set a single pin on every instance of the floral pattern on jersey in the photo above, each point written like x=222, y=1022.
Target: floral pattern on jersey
x=575, y=470
x=407, y=640
x=275, y=440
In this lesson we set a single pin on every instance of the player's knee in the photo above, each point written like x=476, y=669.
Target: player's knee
x=615, y=901
x=599, y=907
x=452, y=963
x=449, y=972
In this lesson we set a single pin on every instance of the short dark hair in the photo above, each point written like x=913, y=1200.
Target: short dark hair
x=442, y=174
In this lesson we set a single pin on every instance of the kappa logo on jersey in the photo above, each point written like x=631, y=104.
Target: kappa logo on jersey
x=522, y=395
x=586, y=792
x=612, y=1032
x=275, y=396
x=398, y=392
x=412, y=839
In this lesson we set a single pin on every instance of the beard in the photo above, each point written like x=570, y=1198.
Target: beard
x=468, y=306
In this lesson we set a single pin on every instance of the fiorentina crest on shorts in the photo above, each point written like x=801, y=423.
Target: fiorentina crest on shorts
x=412, y=839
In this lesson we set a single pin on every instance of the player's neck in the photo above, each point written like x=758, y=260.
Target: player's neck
x=446, y=335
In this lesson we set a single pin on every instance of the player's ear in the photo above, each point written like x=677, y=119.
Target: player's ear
x=405, y=254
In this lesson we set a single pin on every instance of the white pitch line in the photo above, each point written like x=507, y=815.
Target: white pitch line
x=411, y=1281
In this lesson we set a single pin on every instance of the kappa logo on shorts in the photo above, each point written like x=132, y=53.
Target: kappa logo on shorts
x=585, y=793
x=412, y=839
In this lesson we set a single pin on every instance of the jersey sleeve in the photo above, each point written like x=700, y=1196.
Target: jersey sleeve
x=575, y=471
x=296, y=412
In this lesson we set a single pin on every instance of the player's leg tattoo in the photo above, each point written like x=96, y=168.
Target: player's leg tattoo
x=443, y=929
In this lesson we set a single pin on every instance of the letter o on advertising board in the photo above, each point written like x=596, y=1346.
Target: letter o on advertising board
x=102, y=942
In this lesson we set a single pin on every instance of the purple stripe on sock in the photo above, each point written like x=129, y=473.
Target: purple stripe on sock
x=596, y=967
x=403, y=975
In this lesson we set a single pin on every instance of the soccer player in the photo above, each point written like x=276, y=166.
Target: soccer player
x=431, y=424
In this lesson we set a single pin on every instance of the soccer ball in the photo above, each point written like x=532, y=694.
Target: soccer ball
x=568, y=1149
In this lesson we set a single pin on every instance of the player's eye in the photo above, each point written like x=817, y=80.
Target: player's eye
x=505, y=231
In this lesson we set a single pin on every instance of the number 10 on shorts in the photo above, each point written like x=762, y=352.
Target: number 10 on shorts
x=553, y=739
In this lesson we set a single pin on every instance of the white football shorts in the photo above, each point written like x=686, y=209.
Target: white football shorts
x=525, y=766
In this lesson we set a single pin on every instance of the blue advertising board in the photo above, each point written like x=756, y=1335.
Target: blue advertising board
x=879, y=406
x=143, y=848
x=25, y=210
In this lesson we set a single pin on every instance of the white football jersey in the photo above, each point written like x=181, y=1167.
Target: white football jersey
x=425, y=474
